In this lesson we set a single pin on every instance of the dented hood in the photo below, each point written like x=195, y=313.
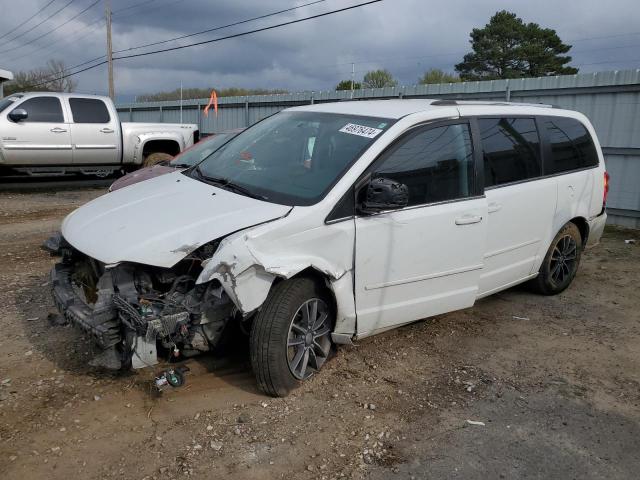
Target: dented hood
x=159, y=221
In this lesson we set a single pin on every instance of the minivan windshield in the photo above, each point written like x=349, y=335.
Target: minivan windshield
x=201, y=150
x=10, y=100
x=291, y=158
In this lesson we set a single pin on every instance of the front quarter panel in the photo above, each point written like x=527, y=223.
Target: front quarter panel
x=247, y=263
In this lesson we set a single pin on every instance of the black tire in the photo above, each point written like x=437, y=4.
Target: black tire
x=156, y=158
x=271, y=335
x=561, y=262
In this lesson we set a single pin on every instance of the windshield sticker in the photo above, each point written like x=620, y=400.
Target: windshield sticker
x=360, y=130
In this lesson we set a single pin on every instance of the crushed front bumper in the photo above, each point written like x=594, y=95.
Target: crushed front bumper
x=100, y=322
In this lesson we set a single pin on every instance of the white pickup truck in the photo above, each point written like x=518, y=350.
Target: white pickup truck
x=46, y=133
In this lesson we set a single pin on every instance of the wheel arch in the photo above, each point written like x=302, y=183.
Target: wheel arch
x=320, y=278
x=160, y=145
x=583, y=227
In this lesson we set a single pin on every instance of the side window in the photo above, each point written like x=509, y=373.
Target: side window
x=89, y=110
x=43, y=109
x=571, y=146
x=436, y=164
x=511, y=150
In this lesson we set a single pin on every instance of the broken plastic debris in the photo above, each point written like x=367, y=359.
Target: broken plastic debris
x=630, y=242
x=475, y=422
x=172, y=377
x=520, y=318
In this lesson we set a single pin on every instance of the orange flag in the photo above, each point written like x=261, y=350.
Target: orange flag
x=213, y=100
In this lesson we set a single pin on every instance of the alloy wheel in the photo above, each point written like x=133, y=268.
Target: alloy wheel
x=562, y=263
x=309, y=338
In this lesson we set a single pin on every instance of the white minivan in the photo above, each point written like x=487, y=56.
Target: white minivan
x=327, y=223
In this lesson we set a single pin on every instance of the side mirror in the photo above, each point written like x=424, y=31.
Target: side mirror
x=18, y=115
x=384, y=194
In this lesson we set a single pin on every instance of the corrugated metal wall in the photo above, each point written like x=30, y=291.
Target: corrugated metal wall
x=610, y=99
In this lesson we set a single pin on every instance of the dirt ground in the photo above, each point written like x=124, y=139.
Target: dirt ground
x=555, y=382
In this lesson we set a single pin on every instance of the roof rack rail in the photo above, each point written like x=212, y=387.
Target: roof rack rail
x=452, y=102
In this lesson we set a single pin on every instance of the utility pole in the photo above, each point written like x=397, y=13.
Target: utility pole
x=353, y=74
x=107, y=12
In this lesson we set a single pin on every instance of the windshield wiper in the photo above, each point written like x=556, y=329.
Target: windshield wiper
x=227, y=184
x=242, y=190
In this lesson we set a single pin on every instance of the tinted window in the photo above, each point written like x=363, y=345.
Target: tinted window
x=436, y=164
x=571, y=146
x=88, y=110
x=8, y=101
x=511, y=150
x=43, y=109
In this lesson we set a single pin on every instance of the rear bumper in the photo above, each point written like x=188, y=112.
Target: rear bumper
x=100, y=323
x=596, y=227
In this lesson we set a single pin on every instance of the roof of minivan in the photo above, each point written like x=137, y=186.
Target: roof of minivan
x=399, y=108
x=370, y=108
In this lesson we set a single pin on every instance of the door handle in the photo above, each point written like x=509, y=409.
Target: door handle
x=107, y=130
x=494, y=207
x=468, y=219
x=58, y=130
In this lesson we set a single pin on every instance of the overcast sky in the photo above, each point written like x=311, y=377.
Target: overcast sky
x=404, y=36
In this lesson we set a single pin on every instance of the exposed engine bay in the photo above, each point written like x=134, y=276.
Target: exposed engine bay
x=136, y=312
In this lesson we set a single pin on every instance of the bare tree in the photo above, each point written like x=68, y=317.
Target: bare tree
x=44, y=79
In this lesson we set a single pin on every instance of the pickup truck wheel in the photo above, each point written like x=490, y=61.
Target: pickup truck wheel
x=156, y=158
x=291, y=336
x=560, y=264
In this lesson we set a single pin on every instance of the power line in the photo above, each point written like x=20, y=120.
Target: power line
x=86, y=62
x=141, y=4
x=37, y=25
x=51, y=45
x=221, y=27
x=135, y=5
x=28, y=19
x=53, y=29
x=241, y=34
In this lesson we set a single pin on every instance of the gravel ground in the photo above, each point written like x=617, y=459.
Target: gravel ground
x=519, y=386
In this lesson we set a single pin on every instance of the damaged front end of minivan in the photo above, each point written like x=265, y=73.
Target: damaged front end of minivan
x=135, y=312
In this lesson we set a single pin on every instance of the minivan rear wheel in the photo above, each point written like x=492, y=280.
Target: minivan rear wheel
x=560, y=264
x=291, y=335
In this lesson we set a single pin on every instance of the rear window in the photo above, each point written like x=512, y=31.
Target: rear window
x=571, y=144
x=511, y=150
x=89, y=110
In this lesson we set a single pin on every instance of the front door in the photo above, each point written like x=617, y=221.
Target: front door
x=426, y=258
x=42, y=138
x=94, y=132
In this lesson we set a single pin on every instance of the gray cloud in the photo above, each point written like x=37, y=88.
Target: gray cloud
x=405, y=36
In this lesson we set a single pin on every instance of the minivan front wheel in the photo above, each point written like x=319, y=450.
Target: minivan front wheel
x=291, y=335
x=561, y=262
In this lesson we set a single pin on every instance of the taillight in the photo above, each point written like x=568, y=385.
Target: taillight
x=606, y=188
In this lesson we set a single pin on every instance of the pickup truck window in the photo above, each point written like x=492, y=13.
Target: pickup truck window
x=8, y=101
x=43, y=109
x=88, y=110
